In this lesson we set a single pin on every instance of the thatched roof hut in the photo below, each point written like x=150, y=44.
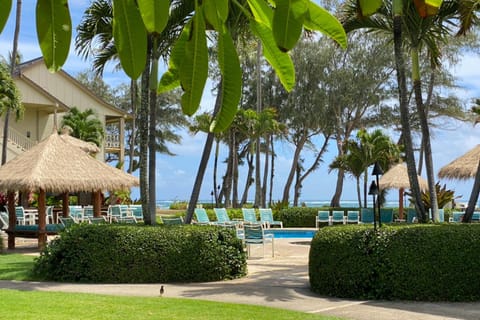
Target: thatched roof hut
x=56, y=165
x=462, y=168
x=88, y=147
x=397, y=178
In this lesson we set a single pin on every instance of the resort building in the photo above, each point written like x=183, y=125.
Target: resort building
x=47, y=97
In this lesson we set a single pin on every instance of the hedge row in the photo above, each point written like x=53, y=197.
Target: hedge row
x=142, y=254
x=414, y=262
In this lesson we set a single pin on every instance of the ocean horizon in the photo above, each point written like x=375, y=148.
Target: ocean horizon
x=165, y=204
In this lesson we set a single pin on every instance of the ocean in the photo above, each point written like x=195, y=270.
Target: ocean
x=165, y=204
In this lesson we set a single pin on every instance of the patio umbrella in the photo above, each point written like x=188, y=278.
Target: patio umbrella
x=55, y=165
x=397, y=178
x=462, y=168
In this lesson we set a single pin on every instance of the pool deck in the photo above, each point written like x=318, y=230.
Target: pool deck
x=281, y=282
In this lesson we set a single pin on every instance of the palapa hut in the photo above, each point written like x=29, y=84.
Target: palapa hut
x=463, y=168
x=397, y=178
x=55, y=165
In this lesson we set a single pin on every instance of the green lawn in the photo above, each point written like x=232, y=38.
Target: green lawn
x=25, y=305
x=16, y=267
x=35, y=305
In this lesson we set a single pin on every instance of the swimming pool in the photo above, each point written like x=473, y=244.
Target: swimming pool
x=291, y=233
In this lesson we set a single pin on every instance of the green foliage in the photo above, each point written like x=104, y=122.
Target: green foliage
x=179, y=205
x=85, y=125
x=54, y=32
x=146, y=254
x=414, y=262
x=278, y=29
x=298, y=217
x=444, y=196
x=6, y=6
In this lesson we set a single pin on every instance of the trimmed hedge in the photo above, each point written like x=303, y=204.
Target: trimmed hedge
x=414, y=262
x=142, y=254
x=298, y=217
x=303, y=217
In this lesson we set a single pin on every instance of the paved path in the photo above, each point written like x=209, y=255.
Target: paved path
x=280, y=282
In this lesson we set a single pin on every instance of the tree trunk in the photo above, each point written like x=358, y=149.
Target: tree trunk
x=293, y=167
x=249, y=180
x=258, y=185
x=152, y=145
x=143, y=133
x=235, y=172
x=359, y=193
x=132, y=141
x=417, y=86
x=472, y=202
x=272, y=172
x=203, y=162
x=265, y=172
x=13, y=66
x=365, y=186
x=215, y=168
x=404, y=116
x=335, y=202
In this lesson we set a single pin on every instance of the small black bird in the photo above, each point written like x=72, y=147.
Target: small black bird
x=161, y=291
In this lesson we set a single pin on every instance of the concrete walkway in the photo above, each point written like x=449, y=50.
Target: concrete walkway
x=280, y=282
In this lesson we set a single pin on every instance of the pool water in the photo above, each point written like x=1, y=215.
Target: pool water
x=288, y=234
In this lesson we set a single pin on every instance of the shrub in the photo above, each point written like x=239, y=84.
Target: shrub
x=142, y=254
x=297, y=217
x=415, y=262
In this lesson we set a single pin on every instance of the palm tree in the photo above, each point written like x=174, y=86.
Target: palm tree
x=13, y=65
x=364, y=151
x=393, y=16
x=84, y=125
x=9, y=95
x=95, y=39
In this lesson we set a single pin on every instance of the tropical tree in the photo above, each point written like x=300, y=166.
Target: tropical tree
x=278, y=28
x=9, y=95
x=364, y=151
x=390, y=15
x=13, y=65
x=84, y=125
x=96, y=38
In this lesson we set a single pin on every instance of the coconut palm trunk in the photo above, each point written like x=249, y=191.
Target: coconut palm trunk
x=404, y=113
x=13, y=65
x=207, y=149
x=417, y=87
x=152, y=142
x=143, y=145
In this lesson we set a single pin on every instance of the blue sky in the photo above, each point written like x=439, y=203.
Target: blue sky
x=175, y=175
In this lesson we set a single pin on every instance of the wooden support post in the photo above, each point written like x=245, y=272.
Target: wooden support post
x=65, y=203
x=97, y=204
x=42, y=219
x=12, y=217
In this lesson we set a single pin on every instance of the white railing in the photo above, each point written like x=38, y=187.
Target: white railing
x=17, y=138
x=112, y=141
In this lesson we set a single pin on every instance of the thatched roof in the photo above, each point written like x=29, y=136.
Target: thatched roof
x=56, y=165
x=397, y=178
x=88, y=147
x=464, y=167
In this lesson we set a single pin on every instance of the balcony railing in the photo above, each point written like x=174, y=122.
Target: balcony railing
x=112, y=141
x=17, y=138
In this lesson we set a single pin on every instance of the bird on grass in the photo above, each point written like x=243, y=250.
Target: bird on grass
x=162, y=290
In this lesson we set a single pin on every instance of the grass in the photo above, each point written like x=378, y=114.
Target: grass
x=34, y=305
x=25, y=305
x=16, y=267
